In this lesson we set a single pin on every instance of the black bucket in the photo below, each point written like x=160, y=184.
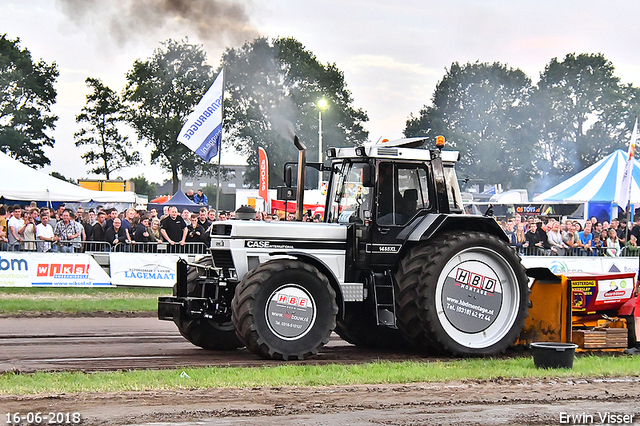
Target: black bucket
x=553, y=354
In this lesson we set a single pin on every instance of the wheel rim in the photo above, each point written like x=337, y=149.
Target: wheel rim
x=291, y=312
x=477, y=297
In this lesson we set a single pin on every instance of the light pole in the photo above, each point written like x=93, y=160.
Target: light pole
x=322, y=105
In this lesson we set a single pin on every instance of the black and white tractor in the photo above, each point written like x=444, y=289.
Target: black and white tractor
x=395, y=262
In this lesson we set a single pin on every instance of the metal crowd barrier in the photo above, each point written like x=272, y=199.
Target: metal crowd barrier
x=578, y=252
x=136, y=247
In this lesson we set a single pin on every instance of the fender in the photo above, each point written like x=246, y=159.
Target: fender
x=431, y=224
x=322, y=267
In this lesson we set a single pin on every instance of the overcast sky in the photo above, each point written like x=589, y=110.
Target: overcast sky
x=393, y=53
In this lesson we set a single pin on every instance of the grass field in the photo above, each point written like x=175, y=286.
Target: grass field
x=19, y=300
x=309, y=375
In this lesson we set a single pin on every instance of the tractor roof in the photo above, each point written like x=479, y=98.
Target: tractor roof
x=397, y=149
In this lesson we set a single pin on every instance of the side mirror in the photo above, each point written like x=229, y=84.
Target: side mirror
x=368, y=176
x=287, y=177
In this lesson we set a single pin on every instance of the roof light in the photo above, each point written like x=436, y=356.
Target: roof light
x=331, y=153
x=360, y=151
x=440, y=142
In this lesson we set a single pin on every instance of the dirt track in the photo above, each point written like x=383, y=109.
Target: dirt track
x=31, y=345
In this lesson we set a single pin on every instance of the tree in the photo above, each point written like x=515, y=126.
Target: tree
x=479, y=108
x=162, y=91
x=62, y=177
x=144, y=187
x=102, y=114
x=272, y=90
x=26, y=96
x=582, y=113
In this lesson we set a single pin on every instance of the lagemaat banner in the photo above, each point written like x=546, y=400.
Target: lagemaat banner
x=145, y=269
x=26, y=269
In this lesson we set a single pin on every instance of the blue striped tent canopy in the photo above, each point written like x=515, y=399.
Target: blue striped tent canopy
x=597, y=183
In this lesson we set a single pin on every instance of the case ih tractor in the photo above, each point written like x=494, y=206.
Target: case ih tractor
x=396, y=261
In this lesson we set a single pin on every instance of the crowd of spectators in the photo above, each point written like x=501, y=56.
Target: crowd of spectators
x=544, y=236
x=65, y=230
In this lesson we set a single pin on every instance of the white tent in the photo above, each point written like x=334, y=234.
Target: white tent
x=19, y=182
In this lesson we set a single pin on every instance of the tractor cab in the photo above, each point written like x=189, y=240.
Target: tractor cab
x=385, y=188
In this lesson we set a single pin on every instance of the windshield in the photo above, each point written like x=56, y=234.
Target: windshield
x=349, y=200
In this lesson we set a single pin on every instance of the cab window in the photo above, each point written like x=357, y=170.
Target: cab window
x=402, y=191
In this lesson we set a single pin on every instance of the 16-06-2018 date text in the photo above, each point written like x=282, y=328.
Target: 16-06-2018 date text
x=38, y=418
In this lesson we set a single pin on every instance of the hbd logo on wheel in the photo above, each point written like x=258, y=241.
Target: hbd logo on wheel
x=475, y=280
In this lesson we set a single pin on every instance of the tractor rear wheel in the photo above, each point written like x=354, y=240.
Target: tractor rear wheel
x=284, y=309
x=462, y=294
x=208, y=334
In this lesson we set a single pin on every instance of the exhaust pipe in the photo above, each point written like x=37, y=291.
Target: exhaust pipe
x=302, y=165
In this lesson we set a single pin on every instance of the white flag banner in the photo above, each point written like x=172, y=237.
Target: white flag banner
x=624, y=191
x=202, y=132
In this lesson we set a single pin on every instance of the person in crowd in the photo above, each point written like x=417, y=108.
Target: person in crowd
x=98, y=230
x=3, y=229
x=45, y=236
x=190, y=194
x=597, y=229
x=186, y=216
x=127, y=222
x=116, y=234
x=635, y=229
x=535, y=242
x=222, y=215
x=518, y=239
x=211, y=215
x=85, y=220
x=200, y=198
x=140, y=233
x=195, y=231
x=597, y=245
x=165, y=212
x=509, y=227
x=585, y=239
x=554, y=237
x=77, y=241
x=203, y=219
x=605, y=225
x=29, y=233
x=112, y=213
x=66, y=231
x=623, y=232
x=570, y=238
x=173, y=229
x=631, y=248
x=15, y=227
x=612, y=245
x=154, y=231
x=153, y=213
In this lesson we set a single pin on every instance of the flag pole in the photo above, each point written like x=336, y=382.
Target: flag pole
x=220, y=148
x=628, y=208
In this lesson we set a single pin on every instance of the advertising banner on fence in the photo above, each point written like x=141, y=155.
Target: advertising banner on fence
x=598, y=265
x=145, y=269
x=26, y=269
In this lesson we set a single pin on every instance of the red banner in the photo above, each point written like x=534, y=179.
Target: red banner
x=263, y=177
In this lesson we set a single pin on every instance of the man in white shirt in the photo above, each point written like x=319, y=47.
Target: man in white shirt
x=15, y=227
x=44, y=234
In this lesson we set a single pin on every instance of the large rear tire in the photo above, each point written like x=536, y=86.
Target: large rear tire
x=208, y=334
x=284, y=309
x=462, y=294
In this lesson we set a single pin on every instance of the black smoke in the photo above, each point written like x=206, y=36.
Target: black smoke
x=218, y=22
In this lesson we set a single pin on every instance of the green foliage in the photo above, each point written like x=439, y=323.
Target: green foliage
x=110, y=150
x=272, y=90
x=162, y=91
x=478, y=107
x=62, y=177
x=511, y=132
x=26, y=97
x=144, y=187
x=582, y=114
